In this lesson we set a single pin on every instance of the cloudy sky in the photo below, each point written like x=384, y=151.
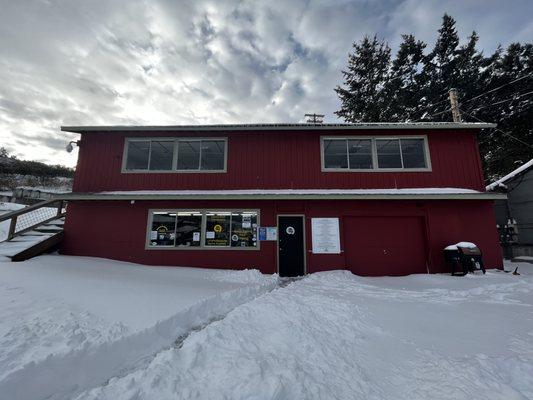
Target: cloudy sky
x=66, y=62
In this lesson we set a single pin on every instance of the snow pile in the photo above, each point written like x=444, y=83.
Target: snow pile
x=4, y=225
x=70, y=323
x=334, y=335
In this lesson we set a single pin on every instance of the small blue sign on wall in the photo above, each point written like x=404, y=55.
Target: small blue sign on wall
x=268, y=233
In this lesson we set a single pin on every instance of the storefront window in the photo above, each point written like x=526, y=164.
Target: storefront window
x=217, y=229
x=204, y=229
x=189, y=229
x=163, y=231
x=243, y=229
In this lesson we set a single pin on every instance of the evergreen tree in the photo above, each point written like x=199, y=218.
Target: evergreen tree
x=403, y=85
x=368, y=67
x=507, y=100
x=415, y=86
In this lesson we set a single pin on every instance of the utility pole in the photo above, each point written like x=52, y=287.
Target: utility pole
x=454, y=105
x=314, y=118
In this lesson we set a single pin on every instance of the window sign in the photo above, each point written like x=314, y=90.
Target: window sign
x=325, y=235
x=163, y=229
x=219, y=226
x=184, y=228
x=268, y=233
x=244, y=233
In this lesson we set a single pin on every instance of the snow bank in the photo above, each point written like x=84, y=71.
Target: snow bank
x=4, y=225
x=69, y=323
x=336, y=335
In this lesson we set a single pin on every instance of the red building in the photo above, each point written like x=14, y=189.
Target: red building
x=376, y=199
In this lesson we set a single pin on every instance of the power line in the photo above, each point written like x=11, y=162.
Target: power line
x=500, y=102
x=499, y=130
x=498, y=88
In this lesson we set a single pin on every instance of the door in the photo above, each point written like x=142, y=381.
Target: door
x=291, y=246
x=385, y=245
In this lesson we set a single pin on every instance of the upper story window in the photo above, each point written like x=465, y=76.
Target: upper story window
x=375, y=154
x=175, y=155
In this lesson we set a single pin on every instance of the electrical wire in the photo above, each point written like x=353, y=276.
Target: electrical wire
x=498, y=88
x=500, y=102
x=499, y=130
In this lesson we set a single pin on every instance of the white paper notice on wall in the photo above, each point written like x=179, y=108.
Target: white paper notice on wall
x=153, y=235
x=210, y=235
x=325, y=234
x=196, y=236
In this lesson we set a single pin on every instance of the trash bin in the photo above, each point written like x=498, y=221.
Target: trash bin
x=464, y=257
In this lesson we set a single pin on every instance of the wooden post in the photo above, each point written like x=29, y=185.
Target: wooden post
x=454, y=104
x=12, y=227
x=60, y=207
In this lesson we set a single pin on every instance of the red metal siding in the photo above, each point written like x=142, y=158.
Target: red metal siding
x=275, y=160
x=385, y=245
x=117, y=230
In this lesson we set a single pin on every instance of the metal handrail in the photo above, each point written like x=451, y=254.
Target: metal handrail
x=13, y=216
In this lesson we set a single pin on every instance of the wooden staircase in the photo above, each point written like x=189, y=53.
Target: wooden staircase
x=33, y=230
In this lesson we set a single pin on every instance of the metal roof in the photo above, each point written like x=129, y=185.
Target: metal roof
x=281, y=127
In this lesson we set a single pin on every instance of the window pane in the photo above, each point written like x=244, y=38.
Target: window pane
x=335, y=154
x=188, y=154
x=413, y=153
x=244, y=229
x=188, y=229
x=138, y=154
x=388, y=153
x=217, y=230
x=161, y=155
x=163, y=232
x=360, y=153
x=212, y=155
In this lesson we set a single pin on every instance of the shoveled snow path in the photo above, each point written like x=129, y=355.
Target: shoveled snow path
x=338, y=336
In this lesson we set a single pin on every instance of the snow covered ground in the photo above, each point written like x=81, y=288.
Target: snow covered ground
x=4, y=209
x=86, y=328
x=69, y=323
x=334, y=335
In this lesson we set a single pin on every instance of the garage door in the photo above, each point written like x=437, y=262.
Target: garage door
x=385, y=245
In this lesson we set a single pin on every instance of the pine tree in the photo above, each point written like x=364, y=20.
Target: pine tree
x=415, y=86
x=440, y=72
x=507, y=100
x=403, y=84
x=362, y=97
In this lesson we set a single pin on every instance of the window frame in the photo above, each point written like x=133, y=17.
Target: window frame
x=375, y=167
x=174, y=168
x=204, y=212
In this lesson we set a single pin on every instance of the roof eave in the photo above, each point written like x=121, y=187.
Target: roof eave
x=276, y=127
x=257, y=196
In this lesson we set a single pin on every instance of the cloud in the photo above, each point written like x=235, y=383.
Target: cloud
x=199, y=62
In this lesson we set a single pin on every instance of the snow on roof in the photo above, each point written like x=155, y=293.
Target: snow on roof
x=511, y=175
x=283, y=126
x=287, y=193
x=299, y=191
